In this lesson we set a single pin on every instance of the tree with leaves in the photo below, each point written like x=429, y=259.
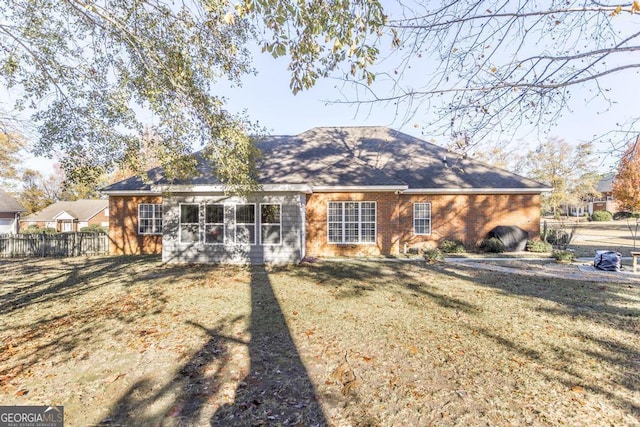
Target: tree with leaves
x=566, y=168
x=35, y=195
x=492, y=67
x=11, y=146
x=90, y=71
x=626, y=185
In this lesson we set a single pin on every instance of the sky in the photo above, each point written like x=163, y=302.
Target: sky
x=267, y=99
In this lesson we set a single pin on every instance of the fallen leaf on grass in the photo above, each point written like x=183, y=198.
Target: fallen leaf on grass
x=577, y=389
x=116, y=378
x=309, y=332
x=367, y=358
x=174, y=412
x=295, y=313
x=22, y=392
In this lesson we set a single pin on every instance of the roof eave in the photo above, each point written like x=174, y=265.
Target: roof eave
x=131, y=192
x=357, y=188
x=219, y=188
x=477, y=190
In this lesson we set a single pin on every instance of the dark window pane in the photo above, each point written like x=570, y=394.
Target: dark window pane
x=215, y=214
x=270, y=214
x=214, y=234
x=245, y=214
x=189, y=213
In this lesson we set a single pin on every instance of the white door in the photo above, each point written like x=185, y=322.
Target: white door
x=66, y=226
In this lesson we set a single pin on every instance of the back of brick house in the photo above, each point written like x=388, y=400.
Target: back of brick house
x=347, y=204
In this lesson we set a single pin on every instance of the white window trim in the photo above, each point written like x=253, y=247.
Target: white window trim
x=180, y=223
x=224, y=224
x=430, y=219
x=235, y=224
x=270, y=223
x=343, y=222
x=153, y=219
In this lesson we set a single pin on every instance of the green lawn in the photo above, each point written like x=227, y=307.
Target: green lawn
x=131, y=341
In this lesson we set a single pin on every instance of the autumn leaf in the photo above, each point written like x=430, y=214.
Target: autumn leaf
x=577, y=389
x=22, y=392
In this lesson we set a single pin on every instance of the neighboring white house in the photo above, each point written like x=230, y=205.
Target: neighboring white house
x=10, y=211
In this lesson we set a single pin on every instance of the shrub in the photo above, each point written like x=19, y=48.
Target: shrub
x=538, y=246
x=94, y=228
x=493, y=245
x=601, y=216
x=556, y=236
x=623, y=215
x=433, y=255
x=34, y=229
x=564, y=255
x=452, y=247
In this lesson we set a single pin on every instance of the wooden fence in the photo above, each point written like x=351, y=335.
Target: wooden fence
x=43, y=245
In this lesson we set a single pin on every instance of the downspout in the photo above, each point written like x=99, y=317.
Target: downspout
x=303, y=229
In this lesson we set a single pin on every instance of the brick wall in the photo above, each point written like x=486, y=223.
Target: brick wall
x=99, y=218
x=467, y=218
x=386, y=223
x=123, y=227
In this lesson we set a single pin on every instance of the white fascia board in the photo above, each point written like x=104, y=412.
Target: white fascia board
x=476, y=190
x=358, y=189
x=296, y=188
x=64, y=215
x=132, y=193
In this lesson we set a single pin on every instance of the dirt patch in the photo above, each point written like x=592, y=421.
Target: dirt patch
x=130, y=341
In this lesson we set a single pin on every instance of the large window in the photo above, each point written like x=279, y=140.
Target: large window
x=189, y=223
x=351, y=222
x=422, y=218
x=246, y=224
x=270, y=224
x=149, y=218
x=214, y=224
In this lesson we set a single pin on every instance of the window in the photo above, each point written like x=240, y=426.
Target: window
x=149, y=218
x=214, y=224
x=189, y=223
x=351, y=222
x=246, y=224
x=422, y=218
x=270, y=225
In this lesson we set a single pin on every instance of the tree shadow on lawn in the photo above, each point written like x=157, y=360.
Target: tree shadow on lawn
x=66, y=279
x=590, y=301
x=576, y=299
x=356, y=279
x=36, y=331
x=275, y=391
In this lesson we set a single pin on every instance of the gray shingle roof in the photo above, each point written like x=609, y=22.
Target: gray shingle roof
x=356, y=156
x=9, y=204
x=605, y=185
x=82, y=210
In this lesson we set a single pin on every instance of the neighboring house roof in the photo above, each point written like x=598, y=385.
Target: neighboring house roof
x=334, y=158
x=81, y=210
x=9, y=204
x=605, y=185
